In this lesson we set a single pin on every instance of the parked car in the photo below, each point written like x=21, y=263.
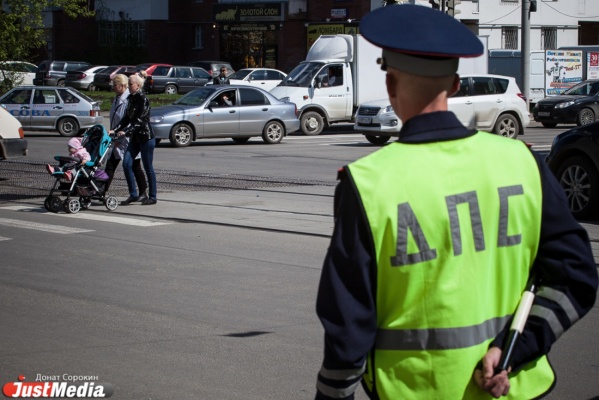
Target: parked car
x=264, y=78
x=53, y=73
x=12, y=137
x=491, y=103
x=103, y=79
x=83, y=79
x=579, y=104
x=203, y=113
x=176, y=79
x=148, y=67
x=17, y=72
x=213, y=67
x=574, y=159
x=52, y=108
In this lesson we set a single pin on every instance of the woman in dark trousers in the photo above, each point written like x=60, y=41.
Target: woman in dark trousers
x=120, y=85
x=136, y=125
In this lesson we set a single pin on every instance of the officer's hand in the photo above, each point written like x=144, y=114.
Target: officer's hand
x=496, y=385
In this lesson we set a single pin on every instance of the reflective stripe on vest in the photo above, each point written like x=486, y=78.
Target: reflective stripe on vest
x=455, y=238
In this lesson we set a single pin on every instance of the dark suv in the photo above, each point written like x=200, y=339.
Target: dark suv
x=176, y=79
x=213, y=67
x=53, y=73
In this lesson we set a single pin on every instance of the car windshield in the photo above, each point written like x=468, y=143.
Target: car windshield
x=584, y=89
x=240, y=74
x=109, y=70
x=195, y=98
x=302, y=74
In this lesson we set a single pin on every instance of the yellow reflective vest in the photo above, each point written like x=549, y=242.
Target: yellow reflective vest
x=455, y=237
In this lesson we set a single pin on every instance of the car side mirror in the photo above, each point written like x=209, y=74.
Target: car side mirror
x=317, y=82
x=213, y=104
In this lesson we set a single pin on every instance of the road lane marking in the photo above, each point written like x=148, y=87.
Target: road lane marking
x=90, y=216
x=4, y=238
x=61, y=230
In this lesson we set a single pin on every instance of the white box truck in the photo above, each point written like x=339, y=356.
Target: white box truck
x=340, y=72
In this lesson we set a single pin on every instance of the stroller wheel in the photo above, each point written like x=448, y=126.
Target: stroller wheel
x=111, y=203
x=71, y=206
x=53, y=204
x=85, y=202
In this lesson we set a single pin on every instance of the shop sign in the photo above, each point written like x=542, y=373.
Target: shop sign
x=315, y=30
x=249, y=27
x=248, y=12
x=339, y=13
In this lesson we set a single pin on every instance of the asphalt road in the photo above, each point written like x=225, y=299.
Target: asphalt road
x=207, y=295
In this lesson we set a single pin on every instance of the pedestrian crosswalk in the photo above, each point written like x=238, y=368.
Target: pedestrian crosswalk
x=66, y=230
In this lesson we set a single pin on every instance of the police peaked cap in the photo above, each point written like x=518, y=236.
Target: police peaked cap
x=419, y=40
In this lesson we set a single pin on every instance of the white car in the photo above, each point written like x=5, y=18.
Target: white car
x=20, y=72
x=12, y=137
x=492, y=103
x=264, y=78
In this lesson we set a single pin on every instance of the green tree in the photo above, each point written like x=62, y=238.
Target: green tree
x=22, y=29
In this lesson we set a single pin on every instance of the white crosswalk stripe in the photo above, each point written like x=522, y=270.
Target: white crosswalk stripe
x=4, y=238
x=91, y=216
x=61, y=230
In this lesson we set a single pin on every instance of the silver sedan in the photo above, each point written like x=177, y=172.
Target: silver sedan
x=225, y=111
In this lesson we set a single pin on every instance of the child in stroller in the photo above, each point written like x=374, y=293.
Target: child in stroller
x=79, y=155
x=86, y=179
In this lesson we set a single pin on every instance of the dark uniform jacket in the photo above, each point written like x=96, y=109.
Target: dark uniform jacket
x=347, y=288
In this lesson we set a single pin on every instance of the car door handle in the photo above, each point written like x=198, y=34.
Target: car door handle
x=57, y=107
x=232, y=112
x=498, y=101
x=468, y=102
x=24, y=107
x=265, y=109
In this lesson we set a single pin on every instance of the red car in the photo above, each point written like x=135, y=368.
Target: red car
x=148, y=67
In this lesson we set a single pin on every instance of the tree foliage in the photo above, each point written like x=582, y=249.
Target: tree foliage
x=22, y=27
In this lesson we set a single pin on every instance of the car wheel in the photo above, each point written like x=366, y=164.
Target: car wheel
x=507, y=125
x=585, y=116
x=170, y=89
x=91, y=87
x=273, y=132
x=580, y=180
x=312, y=123
x=240, y=140
x=181, y=135
x=68, y=127
x=60, y=83
x=549, y=124
x=378, y=140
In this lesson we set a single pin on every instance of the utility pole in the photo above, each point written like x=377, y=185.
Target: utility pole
x=525, y=46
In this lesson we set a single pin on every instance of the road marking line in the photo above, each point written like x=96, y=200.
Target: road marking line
x=4, y=238
x=91, y=217
x=62, y=230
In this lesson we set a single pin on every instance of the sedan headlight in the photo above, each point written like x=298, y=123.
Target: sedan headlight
x=388, y=109
x=564, y=105
x=156, y=119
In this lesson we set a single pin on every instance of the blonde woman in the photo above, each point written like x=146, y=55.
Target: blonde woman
x=120, y=86
x=135, y=124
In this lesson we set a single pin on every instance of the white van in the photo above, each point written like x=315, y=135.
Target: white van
x=12, y=137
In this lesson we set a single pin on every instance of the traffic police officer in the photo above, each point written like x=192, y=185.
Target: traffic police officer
x=436, y=236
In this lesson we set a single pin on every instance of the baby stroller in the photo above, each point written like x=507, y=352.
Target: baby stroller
x=88, y=179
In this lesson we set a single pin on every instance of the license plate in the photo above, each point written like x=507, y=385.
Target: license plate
x=544, y=114
x=364, y=120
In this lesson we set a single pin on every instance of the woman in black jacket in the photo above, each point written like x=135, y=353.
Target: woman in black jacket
x=136, y=125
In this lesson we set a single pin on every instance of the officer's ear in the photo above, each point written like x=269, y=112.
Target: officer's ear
x=391, y=81
x=455, y=86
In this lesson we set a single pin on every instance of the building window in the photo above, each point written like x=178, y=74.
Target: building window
x=548, y=38
x=509, y=37
x=199, y=38
x=125, y=33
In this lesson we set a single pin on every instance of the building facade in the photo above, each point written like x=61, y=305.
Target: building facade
x=277, y=34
